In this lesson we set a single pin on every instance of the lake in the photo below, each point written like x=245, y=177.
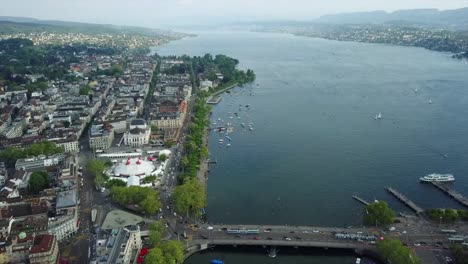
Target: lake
x=315, y=141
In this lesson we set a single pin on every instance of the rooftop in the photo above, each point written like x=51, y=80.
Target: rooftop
x=42, y=243
x=67, y=199
x=119, y=219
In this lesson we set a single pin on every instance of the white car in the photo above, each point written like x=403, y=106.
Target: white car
x=209, y=228
x=287, y=238
x=316, y=231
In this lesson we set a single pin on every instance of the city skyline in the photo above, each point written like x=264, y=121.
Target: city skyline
x=185, y=12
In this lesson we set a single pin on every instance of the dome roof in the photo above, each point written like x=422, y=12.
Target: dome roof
x=133, y=167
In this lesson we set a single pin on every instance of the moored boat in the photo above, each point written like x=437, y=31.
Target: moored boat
x=435, y=177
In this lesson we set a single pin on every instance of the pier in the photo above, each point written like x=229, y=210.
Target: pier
x=452, y=193
x=359, y=199
x=214, y=99
x=405, y=200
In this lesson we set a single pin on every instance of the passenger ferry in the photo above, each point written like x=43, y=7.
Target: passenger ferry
x=435, y=177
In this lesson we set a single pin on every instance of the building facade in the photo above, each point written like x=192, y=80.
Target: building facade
x=138, y=134
x=45, y=250
x=101, y=136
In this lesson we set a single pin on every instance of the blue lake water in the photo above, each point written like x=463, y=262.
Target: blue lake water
x=315, y=142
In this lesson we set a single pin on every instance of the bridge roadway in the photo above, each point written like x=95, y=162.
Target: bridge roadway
x=300, y=236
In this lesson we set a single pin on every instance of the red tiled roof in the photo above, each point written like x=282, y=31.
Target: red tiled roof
x=42, y=243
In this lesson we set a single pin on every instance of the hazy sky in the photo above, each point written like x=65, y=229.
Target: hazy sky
x=154, y=13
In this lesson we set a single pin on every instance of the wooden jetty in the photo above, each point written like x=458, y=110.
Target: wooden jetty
x=359, y=199
x=405, y=200
x=452, y=193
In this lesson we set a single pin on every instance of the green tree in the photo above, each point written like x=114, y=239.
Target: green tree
x=146, y=199
x=12, y=154
x=378, y=213
x=162, y=157
x=150, y=204
x=463, y=214
x=460, y=253
x=184, y=162
x=450, y=215
x=38, y=181
x=156, y=230
x=85, y=89
x=155, y=256
x=173, y=251
x=204, y=152
x=115, y=182
x=395, y=252
x=148, y=179
x=96, y=168
x=189, y=197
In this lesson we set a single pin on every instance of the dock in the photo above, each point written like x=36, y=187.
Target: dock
x=405, y=200
x=452, y=193
x=214, y=99
x=359, y=199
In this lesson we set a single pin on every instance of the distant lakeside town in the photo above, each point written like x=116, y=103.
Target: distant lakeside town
x=444, y=40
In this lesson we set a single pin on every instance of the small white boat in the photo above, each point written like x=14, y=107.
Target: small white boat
x=242, y=124
x=214, y=123
x=379, y=116
x=251, y=128
x=221, y=141
x=228, y=145
x=430, y=101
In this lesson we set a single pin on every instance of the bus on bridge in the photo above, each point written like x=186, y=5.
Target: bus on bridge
x=243, y=231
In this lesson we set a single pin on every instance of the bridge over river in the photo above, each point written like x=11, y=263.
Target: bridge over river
x=271, y=237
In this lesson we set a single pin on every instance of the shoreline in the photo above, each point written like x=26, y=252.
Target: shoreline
x=203, y=169
x=202, y=173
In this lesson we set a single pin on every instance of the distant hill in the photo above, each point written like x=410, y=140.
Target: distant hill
x=26, y=25
x=456, y=18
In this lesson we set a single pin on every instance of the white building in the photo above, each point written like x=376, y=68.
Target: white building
x=138, y=134
x=69, y=144
x=64, y=227
x=39, y=162
x=134, y=170
x=121, y=247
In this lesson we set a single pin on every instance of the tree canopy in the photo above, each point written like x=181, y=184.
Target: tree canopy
x=378, y=213
x=460, y=253
x=38, y=181
x=444, y=215
x=170, y=252
x=395, y=252
x=189, y=197
x=85, y=89
x=12, y=154
x=96, y=169
x=146, y=199
x=156, y=230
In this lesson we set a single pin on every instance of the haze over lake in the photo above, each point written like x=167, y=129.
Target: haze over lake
x=315, y=141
